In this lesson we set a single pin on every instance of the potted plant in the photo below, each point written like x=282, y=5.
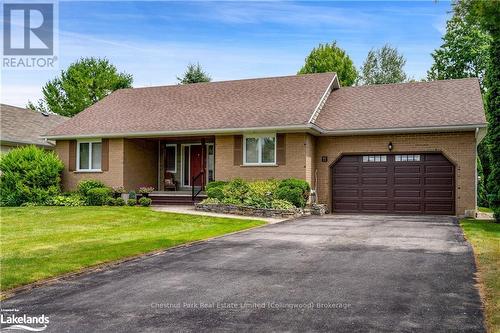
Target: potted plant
x=118, y=191
x=145, y=190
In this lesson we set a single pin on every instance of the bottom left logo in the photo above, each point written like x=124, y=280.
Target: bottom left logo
x=10, y=320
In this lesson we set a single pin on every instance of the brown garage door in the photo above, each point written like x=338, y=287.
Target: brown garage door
x=394, y=183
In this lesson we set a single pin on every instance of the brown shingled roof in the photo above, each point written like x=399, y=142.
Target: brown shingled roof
x=279, y=102
x=25, y=126
x=264, y=102
x=405, y=105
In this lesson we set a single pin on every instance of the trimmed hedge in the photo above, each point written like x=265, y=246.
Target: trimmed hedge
x=84, y=186
x=145, y=202
x=98, y=196
x=295, y=191
x=214, y=184
x=119, y=202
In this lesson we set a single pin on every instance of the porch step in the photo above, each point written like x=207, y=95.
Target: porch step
x=166, y=199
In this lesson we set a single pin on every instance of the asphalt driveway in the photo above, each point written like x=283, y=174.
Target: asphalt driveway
x=334, y=273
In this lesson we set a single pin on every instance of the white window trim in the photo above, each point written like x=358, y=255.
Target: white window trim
x=90, y=141
x=259, y=147
x=175, y=154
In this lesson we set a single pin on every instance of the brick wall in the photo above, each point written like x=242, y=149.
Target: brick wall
x=297, y=165
x=140, y=163
x=112, y=177
x=459, y=148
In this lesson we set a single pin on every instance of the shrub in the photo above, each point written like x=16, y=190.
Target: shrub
x=29, y=174
x=145, y=202
x=98, y=196
x=132, y=195
x=297, y=183
x=261, y=193
x=282, y=204
x=215, y=193
x=264, y=188
x=72, y=200
x=293, y=195
x=110, y=201
x=217, y=183
x=236, y=190
x=295, y=191
x=85, y=186
x=119, y=202
x=256, y=201
x=31, y=204
x=131, y=202
x=496, y=214
x=210, y=201
x=232, y=201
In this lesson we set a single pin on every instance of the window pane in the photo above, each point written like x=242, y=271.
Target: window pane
x=186, y=165
x=210, y=163
x=268, y=147
x=384, y=158
x=365, y=158
x=170, y=158
x=252, y=150
x=84, y=156
x=96, y=155
x=404, y=158
x=398, y=158
x=417, y=157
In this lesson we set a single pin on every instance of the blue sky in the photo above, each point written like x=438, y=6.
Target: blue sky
x=155, y=41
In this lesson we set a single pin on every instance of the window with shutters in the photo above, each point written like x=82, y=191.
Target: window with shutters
x=171, y=158
x=89, y=155
x=259, y=149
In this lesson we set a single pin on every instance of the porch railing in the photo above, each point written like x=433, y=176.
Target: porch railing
x=193, y=181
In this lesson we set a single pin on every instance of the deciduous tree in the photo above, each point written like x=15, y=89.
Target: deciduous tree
x=384, y=65
x=82, y=84
x=465, y=49
x=330, y=58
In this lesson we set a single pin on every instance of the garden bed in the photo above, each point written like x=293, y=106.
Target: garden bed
x=249, y=211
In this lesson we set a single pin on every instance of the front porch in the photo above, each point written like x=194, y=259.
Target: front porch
x=185, y=166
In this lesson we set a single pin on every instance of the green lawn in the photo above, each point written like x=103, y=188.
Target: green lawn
x=485, y=239
x=485, y=210
x=42, y=242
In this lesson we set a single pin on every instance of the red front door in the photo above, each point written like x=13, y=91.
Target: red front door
x=196, y=164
